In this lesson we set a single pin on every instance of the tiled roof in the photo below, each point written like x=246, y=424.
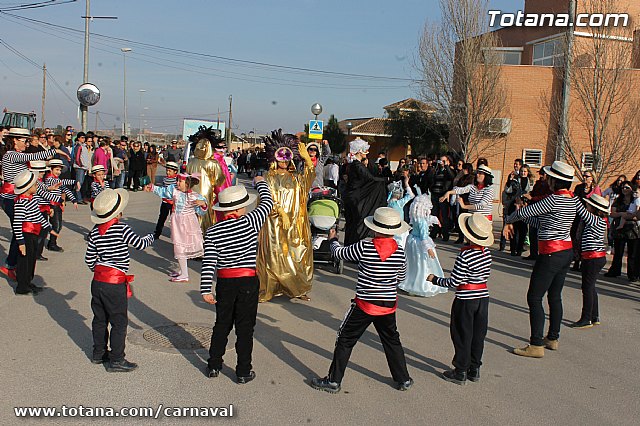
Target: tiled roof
x=410, y=104
x=354, y=122
x=372, y=127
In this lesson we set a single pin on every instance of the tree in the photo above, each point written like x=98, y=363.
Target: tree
x=305, y=138
x=460, y=75
x=419, y=129
x=335, y=136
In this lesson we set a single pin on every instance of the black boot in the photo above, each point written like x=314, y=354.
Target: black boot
x=582, y=323
x=123, y=366
x=325, y=384
x=473, y=374
x=455, y=376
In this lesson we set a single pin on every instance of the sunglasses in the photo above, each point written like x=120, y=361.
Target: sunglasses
x=586, y=176
x=626, y=187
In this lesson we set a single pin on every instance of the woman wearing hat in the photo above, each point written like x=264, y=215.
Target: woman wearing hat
x=480, y=193
x=381, y=267
x=553, y=217
x=108, y=257
x=593, y=254
x=313, y=148
x=14, y=161
x=470, y=310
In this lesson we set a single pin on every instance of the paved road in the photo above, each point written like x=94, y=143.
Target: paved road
x=45, y=341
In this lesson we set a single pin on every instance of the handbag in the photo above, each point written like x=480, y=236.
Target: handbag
x=631, y=231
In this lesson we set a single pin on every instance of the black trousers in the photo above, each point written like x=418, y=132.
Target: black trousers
x=547, y=277
x=56, y=224
x=236, y=306
x=43, y=236
x=469, y=321
x=26, y=267
x=618, y=254
x=516, y=244
x=165, y=209
x=533, y=241
x=109, y=304
x=590, y=270
x=633, y=253
x=442, y=212
x=135, y=177
x=354, y=325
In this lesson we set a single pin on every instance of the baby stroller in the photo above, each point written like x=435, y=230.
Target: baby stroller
x=324, y=208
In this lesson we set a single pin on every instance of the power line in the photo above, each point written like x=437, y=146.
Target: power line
x=47, y=3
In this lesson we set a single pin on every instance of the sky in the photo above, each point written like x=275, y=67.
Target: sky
x=373, y=38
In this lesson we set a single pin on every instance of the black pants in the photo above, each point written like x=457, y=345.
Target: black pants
x=109, y=304
x=56, y=225
x=548, y=277
x=42, y=237
x=442, y=212
x=533, y=241
x=633, y=253
x=135, y=177
x=236, y=306
x=26, y=267
x=8, y=205
x=590, y=270
x=165, y=209
x=516, y=244
x=469, y=321
x=618, y=254
x=354, y=325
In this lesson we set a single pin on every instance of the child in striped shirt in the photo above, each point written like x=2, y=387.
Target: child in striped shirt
x=470, y=310
x=99, y=184
x=381, y=266
x=167, y=203
x=45, y=197
x=53, y=179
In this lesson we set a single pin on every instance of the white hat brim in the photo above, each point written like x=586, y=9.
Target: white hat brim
x=548, y=172
x=251, y=200
x=404, y=227
x=462, y=221
x=597, y=206
x=21, y=191
x=124, y=200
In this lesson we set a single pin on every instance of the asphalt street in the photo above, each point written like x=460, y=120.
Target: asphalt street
x=46, y=341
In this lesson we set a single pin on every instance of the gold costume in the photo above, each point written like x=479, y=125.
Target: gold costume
x=285, y=256
x=212, y=176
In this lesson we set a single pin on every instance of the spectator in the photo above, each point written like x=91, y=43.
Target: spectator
x=66, y=170
x=331, y=174
x=173, y=153
x=509, y=194
x=81, y=163
x=152, y=163
x=620, y=236
x=68, y=139
x=482, y=162
x=137, y=164
x=384, y=170
x=611, y=194
x=401, y=164
x=540, y=191
x=464, y=178
x=521, y=229
x=441, y=182
x=583, y=190
x=422, y=176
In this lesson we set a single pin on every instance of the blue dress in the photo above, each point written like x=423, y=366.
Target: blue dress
x=398, y=205
x=419, y=264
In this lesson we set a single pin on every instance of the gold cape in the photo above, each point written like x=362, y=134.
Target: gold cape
x=211, y=175
x=285, y=258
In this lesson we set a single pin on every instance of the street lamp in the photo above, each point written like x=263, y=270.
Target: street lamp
x=252, y=135
x=316, y=109
x=349, y=126
x=141, y=91
x=242, y=136
x=124, y=51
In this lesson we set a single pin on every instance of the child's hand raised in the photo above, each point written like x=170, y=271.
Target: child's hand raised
x=333, y=233
x=258, y=179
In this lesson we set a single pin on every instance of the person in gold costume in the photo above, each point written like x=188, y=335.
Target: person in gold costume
x=285, y=254
x=206, y=147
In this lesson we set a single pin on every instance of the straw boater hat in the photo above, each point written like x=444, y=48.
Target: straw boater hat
x=560, y=170
x=484, y=169
x=477, y=228
x=38, y=166
x=599, y=203
x=55, y=163
x=18, y=132
x=386, y=220
x=95, y=169
x=109, y=204
x=233, y=198
x=23, y=182
x=172, y=165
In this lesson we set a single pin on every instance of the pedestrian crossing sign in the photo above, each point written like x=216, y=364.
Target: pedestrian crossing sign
x=315, y=129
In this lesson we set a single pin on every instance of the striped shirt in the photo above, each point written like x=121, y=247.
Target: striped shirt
x=233, y=243
x=595, y=228
x=52, y=180
x=166, y=181
x=481, y=199
x=14, y=162
x=472, y=266
x=27, y=210
x=44, y=196
x=377, y=280
x=97, y=188
x=552, y=216
x=112, y=248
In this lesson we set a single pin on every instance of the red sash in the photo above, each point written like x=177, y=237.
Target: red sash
x=593, y=254
x=553, y=246
x=472, y=286
x=7, y=188
x=167, y=200
x=109, y=275
x=58, y=204
x=45, y=208
x=31, y=228
x=236, y=272
x=490, y=217
x=375, y=310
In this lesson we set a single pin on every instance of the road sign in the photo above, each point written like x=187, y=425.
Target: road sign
x=315, y=129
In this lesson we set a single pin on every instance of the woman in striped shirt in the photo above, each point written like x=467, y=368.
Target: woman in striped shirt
x=480, y=193
x=554, y=216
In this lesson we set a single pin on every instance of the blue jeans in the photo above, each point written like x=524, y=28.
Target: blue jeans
x=80, y=175
x=12, y=258
x=119, y=180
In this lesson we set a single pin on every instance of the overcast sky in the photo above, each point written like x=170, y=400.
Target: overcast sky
x=374, y=38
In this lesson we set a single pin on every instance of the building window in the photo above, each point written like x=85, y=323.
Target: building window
x=588, y=162
x=532, y=157
x=549, y=53
x=503, y=56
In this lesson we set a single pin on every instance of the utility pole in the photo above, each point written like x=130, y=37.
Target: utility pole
x=229, y=130
x=96, y=128
x=563, y=127
x=218, y=122
x=44, y=92
x=85, y=78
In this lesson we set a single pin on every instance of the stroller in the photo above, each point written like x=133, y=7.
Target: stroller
x=324, y=208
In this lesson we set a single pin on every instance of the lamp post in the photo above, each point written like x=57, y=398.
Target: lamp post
x=252, y=135
x=349, y=126
x=141, y=91
x=242, y=136
x=124, y=51
x=316, y=109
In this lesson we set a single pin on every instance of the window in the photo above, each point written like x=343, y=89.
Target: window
x=532, y=157
x=503, y=56
x=588, y=162
x=549, y=53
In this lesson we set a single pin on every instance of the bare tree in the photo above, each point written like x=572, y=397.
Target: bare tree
x=460, y=73
x=605, y=116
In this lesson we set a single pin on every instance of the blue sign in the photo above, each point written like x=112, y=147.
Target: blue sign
x=315, y=129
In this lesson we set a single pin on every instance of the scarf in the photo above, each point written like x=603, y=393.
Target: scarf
x=104, y=227
x=231, y=216
x=385, y=247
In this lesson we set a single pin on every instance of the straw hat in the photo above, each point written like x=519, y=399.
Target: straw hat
x=23, y=182
x=477, y=228
x=599, y=203
x=172, y=165
x=18, y=132
x=233, y=198
x=484, y=169
x=386, y=220
x=38, y=166
x=109, y=204
x=95, y=169
x=55, y=163
x=560, y=170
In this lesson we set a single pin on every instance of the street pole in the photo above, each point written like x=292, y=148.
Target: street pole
x=229, y=130
x=95, y=129
x=85, y=78
x=44, y=92
x=141, y=91
x=124, y=63
x=563, y=127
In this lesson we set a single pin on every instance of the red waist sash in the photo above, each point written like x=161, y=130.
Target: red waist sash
x=58, y=204
x=490, y=217
x=44, y=208
x=553, y=246
x=375, y=310
x=593, y=254
x=109, y=275
x=236, y=272
x=7, y=188
x=167, y=200
x=31, y=228
x=472, y=286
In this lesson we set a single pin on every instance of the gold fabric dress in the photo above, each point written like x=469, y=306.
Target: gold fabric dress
x=211, y=176
x=285, y=257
